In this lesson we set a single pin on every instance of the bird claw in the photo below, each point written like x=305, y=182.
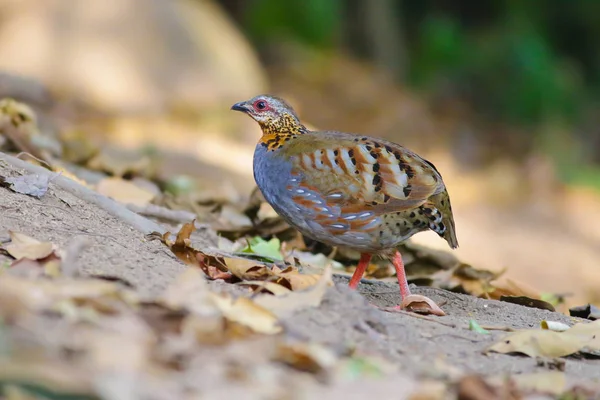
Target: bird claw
x=418, y=304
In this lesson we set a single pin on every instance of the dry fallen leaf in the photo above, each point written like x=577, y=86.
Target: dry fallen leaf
x=245, y=269
x=18, y=295
x=124, y=191
x=552, y=383
x=250, y=270
x=212, y=266
x=528, y=302
x=474, y=387
x=547, y=382
x=310, y=357
x=546, y=343
x=286, y=304
x=297, y=281
x=421, y=305
x=248, y=313
x=539, y=343
x=242, y=268
x=190, y=291
x=266, y=286
x=23, y=246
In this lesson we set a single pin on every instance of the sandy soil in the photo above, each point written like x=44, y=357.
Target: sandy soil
x=416, y=348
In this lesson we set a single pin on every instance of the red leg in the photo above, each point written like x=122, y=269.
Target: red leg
x=401, y=274
x=412, y=302
x=360, y=270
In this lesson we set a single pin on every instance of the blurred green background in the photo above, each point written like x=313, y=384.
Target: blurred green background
x=534, y=65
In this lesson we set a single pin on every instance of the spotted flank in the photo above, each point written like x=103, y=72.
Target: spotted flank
x=435, y=218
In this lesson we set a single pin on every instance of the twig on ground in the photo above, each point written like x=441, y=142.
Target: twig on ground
x=115, y=209
x=24, y=153
x=498, y=328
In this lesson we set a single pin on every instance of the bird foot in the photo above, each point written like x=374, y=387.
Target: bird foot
x=418, y=304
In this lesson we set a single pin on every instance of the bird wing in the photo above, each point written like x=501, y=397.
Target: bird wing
x=362, y=173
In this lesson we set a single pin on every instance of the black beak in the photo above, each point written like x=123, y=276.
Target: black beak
x=241, y=106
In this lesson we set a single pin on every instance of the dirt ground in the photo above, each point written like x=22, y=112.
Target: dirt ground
x=415, y=353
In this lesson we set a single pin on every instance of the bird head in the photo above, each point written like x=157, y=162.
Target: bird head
x=272, y=113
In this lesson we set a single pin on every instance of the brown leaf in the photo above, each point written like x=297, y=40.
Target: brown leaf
x=474, y=387
x=266, y=286
x=308, y=357
x=184, y=251
x=248, y=313
x=286, y=304
x=18, y=295
x=290, y=277
x=548, y=382
x=23, y=246
x=421, y=305
x=539, y=343
x=545, y=343
x=528, y=302
x=188, y=291
x=246, y=269
x=552, y=383
x=297, y=280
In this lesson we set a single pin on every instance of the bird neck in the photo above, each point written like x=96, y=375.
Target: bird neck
x=276, y=133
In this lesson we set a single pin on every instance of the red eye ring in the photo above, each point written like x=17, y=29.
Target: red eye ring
x=260, y=105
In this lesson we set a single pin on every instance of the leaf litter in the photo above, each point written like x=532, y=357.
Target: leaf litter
x=270, y=262
x=111, y=328
x=580, y=338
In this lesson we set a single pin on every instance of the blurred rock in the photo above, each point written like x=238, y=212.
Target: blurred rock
x=136, y=55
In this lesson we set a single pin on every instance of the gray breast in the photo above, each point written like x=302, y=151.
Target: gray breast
x=273, y=174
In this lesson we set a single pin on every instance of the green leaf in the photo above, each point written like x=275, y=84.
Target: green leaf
x=179, y=185
x=550, y=298
x=356, y=367
x=475, y=327
x=261, y=247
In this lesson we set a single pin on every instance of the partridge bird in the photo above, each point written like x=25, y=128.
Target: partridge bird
x=350, y=191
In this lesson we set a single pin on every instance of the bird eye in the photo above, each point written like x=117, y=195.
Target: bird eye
x=260, y=105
